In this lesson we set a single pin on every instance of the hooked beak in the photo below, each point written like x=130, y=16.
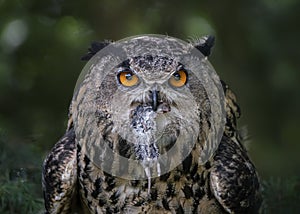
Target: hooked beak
x=154, y=97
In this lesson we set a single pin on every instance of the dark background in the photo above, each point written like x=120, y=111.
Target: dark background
x=257, y=53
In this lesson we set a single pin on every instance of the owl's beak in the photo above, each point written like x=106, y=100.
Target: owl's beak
x=154, y=96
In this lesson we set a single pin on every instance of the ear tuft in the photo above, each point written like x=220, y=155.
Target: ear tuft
x=95, y=47
x=204, y=44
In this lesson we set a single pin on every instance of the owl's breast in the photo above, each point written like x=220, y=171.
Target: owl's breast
x=181, y=189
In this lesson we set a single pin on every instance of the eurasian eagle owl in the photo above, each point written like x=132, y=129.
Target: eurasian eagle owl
x=151, y=129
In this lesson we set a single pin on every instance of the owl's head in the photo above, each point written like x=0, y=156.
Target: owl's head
x=148, y=101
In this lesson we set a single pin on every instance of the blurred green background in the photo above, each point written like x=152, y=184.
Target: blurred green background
x=257, y=53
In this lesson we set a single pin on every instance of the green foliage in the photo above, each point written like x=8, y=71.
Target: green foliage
x=20, y=188
x=17, y=197
x=281, y=195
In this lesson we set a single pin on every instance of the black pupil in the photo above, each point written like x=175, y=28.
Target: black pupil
x=176, y=76
x=128, y=76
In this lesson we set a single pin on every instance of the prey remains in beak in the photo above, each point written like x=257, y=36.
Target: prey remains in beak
x=144, y=127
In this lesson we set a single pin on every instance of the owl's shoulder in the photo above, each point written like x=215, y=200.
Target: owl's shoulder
x=60, y=175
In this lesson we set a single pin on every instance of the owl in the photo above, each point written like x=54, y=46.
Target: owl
x=152, y=129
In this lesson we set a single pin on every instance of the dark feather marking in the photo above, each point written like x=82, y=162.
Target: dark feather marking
x=102, y=202
x=179, y=210
x=109, y=210
x=188, y=192
x=186, y=164
x=164, y=177
x=124, y=148
x=97, y=188
x=114, y=197
x=85, y=192
x=95, y=47
x=170, y=192
x=205, y=48
x=110, y=182
x=199, y=193
x=139, y=203
x=207, y=165
x=165, y=204
x=153, y=194
x=134, y=183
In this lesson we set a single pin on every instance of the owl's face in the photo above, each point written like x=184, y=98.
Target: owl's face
x=156, y=96
x=154, y=105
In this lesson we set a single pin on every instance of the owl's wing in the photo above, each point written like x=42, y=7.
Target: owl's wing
x=59, y=175
x=233, y=178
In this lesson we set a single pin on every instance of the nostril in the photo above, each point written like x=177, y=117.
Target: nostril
x=152, y=91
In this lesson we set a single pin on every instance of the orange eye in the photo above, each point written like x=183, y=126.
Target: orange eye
x=178, y=79
x=127, y=78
